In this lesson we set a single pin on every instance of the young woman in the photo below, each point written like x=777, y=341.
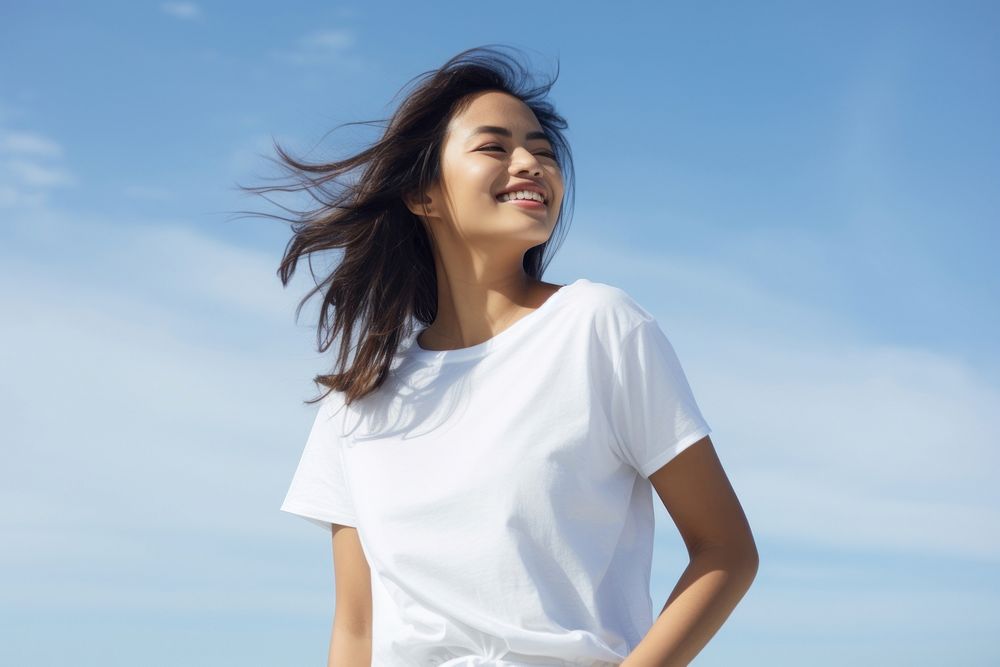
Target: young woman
x=485, y=455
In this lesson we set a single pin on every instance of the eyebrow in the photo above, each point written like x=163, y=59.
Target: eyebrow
x=496, y=129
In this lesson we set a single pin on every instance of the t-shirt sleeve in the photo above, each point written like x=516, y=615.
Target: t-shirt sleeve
x=653, y=410
x=319, y=489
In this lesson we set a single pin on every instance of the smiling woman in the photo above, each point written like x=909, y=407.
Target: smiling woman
x=485, y=462
x=452, y=144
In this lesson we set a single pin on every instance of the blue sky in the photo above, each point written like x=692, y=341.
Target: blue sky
x=805, y=196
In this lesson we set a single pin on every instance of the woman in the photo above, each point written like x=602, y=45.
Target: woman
x=487, y=476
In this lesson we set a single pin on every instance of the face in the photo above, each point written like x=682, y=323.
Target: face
x=477, y=165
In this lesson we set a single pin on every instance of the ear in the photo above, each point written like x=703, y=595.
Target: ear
x=416, y=204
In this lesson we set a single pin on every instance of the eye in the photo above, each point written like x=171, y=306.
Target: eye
x=497, y=146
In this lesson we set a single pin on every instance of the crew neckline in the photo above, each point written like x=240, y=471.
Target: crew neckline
x=510, y=333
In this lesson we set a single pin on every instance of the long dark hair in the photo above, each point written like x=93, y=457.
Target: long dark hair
x=386, y=278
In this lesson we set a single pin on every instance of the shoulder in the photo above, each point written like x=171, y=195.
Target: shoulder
x=609, y=305
x=332, y=401
x=603, y=317
x=332, y=410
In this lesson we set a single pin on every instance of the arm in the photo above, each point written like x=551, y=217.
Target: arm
x=351, y=640
x=723, y=558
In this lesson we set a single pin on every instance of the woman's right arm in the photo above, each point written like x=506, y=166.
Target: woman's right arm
x=351, y=640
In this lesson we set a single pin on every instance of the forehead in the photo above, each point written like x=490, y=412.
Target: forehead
x=494, y=108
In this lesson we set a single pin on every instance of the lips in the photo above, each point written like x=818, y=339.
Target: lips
x=527, y=204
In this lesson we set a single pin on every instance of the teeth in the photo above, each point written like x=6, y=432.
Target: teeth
x=522, y=194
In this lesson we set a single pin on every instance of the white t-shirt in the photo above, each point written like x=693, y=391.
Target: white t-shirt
x=500, y=491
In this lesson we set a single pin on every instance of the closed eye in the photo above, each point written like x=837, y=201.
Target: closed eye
x=492, y=146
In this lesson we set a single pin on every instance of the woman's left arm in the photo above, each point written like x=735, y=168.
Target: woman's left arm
x=723, y=557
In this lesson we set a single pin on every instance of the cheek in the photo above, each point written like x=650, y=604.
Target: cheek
x=471, y=176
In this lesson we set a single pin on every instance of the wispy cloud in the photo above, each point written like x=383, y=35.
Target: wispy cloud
x=332, y=46
x=37, y=175
x=166, y=341
x=29, y=143
x=30, y=169
x=164, y=326
x=181, y=10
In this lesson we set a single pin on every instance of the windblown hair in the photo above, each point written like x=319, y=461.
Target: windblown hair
x=386, y=278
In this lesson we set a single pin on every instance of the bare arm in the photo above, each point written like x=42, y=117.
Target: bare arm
x=346, y=650
x=351, y=639
x=723, y=558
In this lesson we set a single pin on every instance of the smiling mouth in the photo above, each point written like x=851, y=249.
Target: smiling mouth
x=530, y=206
x=510, y=201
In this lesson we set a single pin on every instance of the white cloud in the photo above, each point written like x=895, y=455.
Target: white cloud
x=29, y=143
x=328, y=40
x=181, y=10
x=33, y=174
x=333, y=46
x=171, y=358
x=174, y=264
x=27, y=171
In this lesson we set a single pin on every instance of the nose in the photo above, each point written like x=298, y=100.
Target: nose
x=528, y=163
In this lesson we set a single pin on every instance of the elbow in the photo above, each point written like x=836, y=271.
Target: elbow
x=747, y=564
x=745, y=558
x=741, y=559
x=747, y=554
x=751, y=563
